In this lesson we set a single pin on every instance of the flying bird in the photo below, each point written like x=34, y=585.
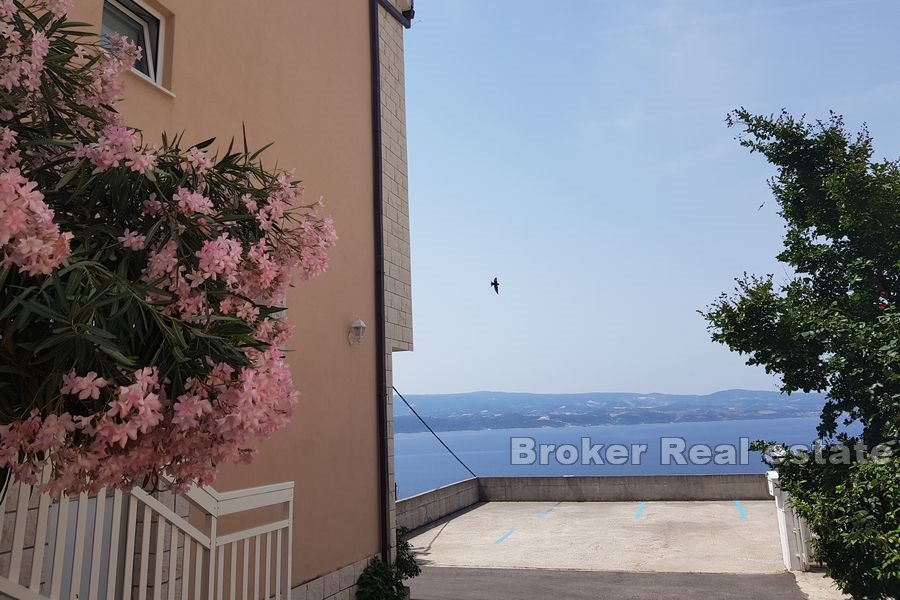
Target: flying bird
x=496, y=285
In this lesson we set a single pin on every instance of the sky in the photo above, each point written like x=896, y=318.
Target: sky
x=577, y=151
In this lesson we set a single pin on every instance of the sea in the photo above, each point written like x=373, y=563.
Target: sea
x=421, y=463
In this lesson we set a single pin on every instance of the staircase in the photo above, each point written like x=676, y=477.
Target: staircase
x=114, y=545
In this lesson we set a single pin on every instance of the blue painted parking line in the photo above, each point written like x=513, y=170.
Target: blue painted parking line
x=505, y=535
x=544, y=514
x=741, y=508
x=640, y=510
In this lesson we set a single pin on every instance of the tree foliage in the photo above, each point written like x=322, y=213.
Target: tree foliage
x=833, y=325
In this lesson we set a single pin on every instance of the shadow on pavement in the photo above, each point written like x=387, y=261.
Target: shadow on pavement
x=448, y=583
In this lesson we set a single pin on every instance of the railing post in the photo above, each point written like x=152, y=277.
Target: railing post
x=790, y=528
x=212, y=522
x=289, y=550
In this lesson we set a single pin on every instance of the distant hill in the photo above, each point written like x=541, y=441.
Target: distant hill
x=504, y=410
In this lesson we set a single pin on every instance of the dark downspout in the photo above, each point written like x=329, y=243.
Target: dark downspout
x=380, y=342
x=404, y=18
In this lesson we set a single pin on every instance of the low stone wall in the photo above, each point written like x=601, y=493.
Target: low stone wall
x=628, y=488
x=337, y=585
x=428, y=507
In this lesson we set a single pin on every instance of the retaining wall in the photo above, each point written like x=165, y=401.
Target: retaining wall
x=430, y=506
x=633, y=488
x=427, y=507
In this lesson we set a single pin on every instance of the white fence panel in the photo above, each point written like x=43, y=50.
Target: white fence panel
x=796, y=538
x=117, y=545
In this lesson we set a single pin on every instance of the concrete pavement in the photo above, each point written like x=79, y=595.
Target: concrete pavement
x=611, y=550
x=668, y=537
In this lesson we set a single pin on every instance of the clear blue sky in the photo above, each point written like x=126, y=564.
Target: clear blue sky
x=577, y=151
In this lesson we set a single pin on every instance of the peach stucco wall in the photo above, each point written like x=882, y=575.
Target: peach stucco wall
x=297, y=74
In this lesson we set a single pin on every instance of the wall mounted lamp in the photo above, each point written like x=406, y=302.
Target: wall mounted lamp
x=357, y=332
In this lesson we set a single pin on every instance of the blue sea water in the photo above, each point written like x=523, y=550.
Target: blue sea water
x=421, y=463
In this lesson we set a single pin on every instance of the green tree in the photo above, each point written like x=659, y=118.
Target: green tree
x=833, y=325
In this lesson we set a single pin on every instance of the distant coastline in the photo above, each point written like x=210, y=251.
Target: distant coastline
x=476, y=411
x=421, y=463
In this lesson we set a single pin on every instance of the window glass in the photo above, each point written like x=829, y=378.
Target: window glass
x=129, y=19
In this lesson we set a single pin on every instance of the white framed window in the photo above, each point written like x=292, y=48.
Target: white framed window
x=143, y=26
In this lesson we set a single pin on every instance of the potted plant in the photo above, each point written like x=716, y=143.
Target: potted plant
x=380, y=581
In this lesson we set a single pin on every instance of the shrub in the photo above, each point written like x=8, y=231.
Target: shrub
x=405, y=563
x=832, y=326
x=380, y=581
x=140, y=285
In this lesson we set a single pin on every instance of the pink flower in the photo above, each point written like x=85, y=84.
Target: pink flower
x=118, y=57
x=29, y=239
x=59, y=7
x=132, y=240
x=117, y=433
x=147, y=378
x=163, y=261
x=189, y=410
x=141, y=163
x=219, y=257
x=54, y=430
x=152, y=206
x=193, y=203
x=115, y=146
x=248, y=201
x=40, y=46
x=198, y=160
x=85, y=387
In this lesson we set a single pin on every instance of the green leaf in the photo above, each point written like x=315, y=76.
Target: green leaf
x=65, y=179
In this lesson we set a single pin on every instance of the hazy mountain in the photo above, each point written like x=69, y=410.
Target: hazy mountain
x=503, y=410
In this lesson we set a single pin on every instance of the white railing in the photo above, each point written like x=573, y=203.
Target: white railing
x=271, y=541
x=796, y=538
x=117, y=545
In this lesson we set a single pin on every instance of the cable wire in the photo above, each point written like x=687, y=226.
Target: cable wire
x=472, y=473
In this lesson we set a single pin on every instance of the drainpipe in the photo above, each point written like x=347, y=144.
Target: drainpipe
x=380, y=342
x=381, y=388
x=404, y=18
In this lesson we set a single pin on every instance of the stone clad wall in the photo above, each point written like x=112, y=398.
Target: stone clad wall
x=627, y=488
x=428, y=507
x=337, y=585
x=395, y=214
x=395, y=186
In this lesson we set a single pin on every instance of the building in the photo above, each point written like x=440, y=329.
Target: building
x=324, y=82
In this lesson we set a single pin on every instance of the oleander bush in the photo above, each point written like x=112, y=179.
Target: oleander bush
x=141, y=285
